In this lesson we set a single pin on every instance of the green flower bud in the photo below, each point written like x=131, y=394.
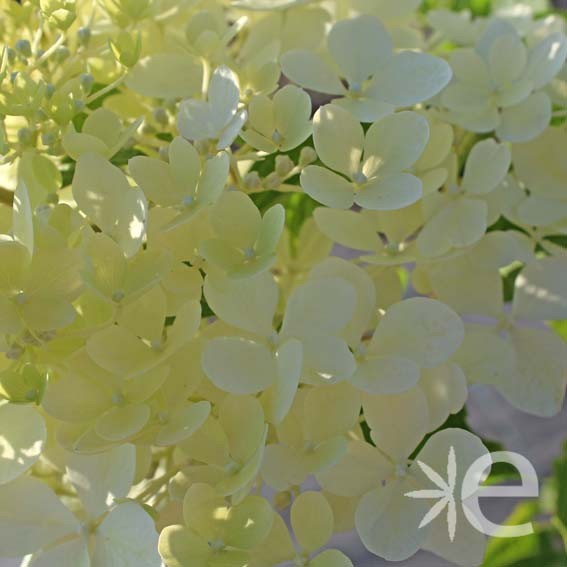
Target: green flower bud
x=49, y=90
x=25, y=136
x=84, y=36
x=58, y=13
x=23, y=47
x=61, y=53
x=48, y=138
x=87, y=81
x=11, y=55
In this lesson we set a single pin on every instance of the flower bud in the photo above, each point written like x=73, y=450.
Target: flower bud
x=160, y=116
x=252, y=180
x=284, y=165
x=25, y=136
x=84, y=36
x=59, y=13
x=48, y=138
x=273, y=181
x=307, y=156
x=23, y=47
x=11, y=55
x=52, y=198
x=49, y=90
x=87, y=81
x=61, y=53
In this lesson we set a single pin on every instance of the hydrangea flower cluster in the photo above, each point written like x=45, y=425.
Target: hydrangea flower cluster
x=253, y=253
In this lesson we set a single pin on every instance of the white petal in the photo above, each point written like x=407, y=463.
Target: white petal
x=312, y=521
x=470, y=68
x=386, y=375
x=458, y=225
x=387, y=521
x=348, y=228
x=73, y=553
x=486, y=167
x=540, y=290
x=24, y=506
x=330, y=411
x=279, y=397
x=525, y=121
x=508, y=58
x=331, y=558
x=22, y=437
x=409, y=78
x=359, y=46
x=248, y=304
x=100, y=479
x=485, y=357
x=390, y=193
x=339, y=139
x=127, y=537
x=546, y=59
x=446, y=390
x=395, y=143
x=364, y=108
x=310, y=71
x=384, y=414
x=420, y=329
x=223, y=96
x=228, y=135
x=327, y=187
x=194, y=120
x=360, y=470
x=22, y=217
x=537, y=383
x=327, y=359
x=365, y=294
x=319, y=308
x=166, y=75
x=467, y=548
x=213, y=178
x=238, y=366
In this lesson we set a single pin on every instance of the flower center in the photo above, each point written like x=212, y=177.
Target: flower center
x=216, y=545
x=118, y=296
x=401, y=470
x=392, y=248
x=359, y=178
x=187, y=201
x=232, y=467
x=118, y=399
x=20, y=298
x=249, y=253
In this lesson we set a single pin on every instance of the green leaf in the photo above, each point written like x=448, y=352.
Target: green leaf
x=536, y=550
x=561, y=328
x=560, y=472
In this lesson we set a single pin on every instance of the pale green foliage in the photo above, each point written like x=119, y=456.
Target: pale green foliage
x=183, y=344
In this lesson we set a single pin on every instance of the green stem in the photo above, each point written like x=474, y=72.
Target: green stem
x=116, y=83
x=49, y=52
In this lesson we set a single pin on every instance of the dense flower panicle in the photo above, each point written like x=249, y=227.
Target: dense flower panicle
x=252, y=254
